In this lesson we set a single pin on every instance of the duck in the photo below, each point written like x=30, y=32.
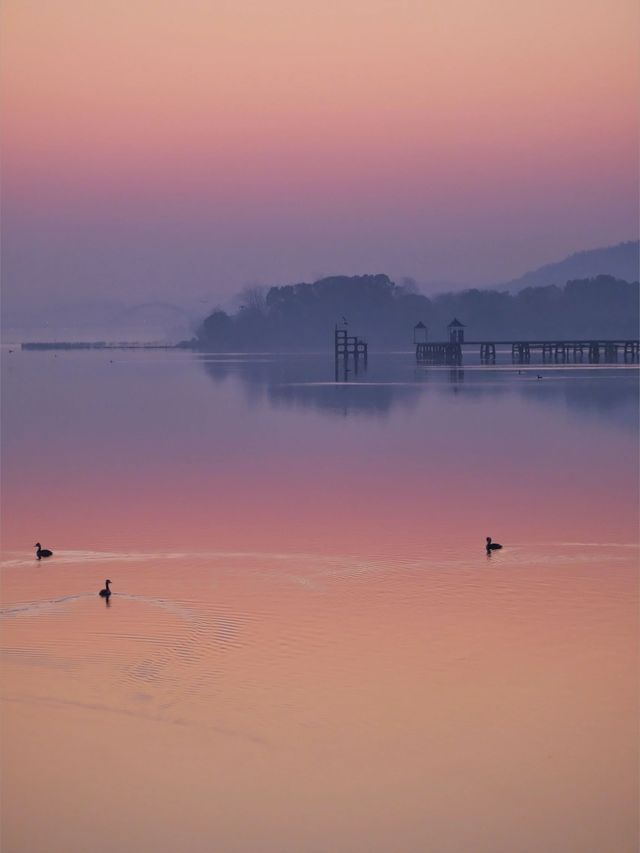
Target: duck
x=106, y=592
x=492, y=546
x=42, y=552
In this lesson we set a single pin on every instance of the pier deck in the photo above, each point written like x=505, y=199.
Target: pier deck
x=555, y=349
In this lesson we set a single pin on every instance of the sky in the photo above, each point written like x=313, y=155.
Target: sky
x=158, y=150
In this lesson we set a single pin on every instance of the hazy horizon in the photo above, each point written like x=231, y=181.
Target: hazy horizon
x=157, y=320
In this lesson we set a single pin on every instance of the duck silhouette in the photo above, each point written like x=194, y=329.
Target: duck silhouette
x=106, y=592
x=42, y=552
x=492, y=546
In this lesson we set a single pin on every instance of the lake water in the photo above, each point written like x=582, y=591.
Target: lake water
x=307, y=648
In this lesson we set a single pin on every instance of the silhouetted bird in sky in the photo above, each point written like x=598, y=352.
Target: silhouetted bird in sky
x=42, y=552
x=492, y=546
x=106, y=592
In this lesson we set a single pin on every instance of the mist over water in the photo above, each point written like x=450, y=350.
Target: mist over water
x=307, y=647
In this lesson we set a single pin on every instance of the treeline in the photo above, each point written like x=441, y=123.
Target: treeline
x=302, y=316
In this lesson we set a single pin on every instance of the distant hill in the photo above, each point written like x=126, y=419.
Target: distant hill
x=621, y=262
x=302, y=316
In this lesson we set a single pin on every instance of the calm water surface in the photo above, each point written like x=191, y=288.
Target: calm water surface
x=307, y=648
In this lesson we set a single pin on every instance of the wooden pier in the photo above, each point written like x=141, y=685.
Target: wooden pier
x=439, y=353
x=592, y=350
x=556, y=349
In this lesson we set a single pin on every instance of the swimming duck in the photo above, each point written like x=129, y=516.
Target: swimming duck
x=492, y=546
x=106, y=592
x=42, y=552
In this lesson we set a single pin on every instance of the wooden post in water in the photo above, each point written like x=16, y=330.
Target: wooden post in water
x=346, y=346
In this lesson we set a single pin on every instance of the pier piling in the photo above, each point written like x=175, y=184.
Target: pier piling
x=346, y=348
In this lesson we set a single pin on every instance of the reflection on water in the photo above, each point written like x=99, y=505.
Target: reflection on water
x=394, y=380
x=307, y=647
x=307, y=381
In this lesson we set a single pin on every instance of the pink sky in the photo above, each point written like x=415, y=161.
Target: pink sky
x=156, y=149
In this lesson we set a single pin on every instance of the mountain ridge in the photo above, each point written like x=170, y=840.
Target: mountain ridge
x=622, y=261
